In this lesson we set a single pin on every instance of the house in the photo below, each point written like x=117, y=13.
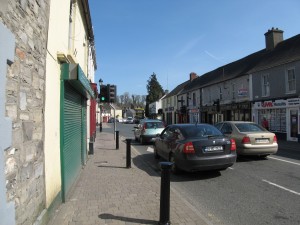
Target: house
x=276, y=85
x=47, y=79
x=171, y=105
x=263, y=84
x=155, y=109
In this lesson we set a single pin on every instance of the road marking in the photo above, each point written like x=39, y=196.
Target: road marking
x=286, y=189
x=271, y=157
x=149, y=149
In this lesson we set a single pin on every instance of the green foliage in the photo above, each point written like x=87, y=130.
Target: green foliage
x=155, y=90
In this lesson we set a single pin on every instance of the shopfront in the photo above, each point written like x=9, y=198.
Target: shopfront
x=282, y=115
x=194, y=115
x=227, y=112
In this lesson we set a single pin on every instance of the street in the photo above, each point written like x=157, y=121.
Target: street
x=253, y=191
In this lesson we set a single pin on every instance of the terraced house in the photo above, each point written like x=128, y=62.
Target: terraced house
x=263, y=84
x=47, y=103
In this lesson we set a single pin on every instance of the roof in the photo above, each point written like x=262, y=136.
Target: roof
x=176, y=90
x=285, y=52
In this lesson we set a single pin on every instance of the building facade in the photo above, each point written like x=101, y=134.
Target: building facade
x=24, y=28
x=46, y=75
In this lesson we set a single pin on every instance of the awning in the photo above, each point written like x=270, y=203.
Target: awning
x=74, y=74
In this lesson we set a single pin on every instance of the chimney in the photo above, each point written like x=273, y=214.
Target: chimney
x=273, y=37
x=193, y=75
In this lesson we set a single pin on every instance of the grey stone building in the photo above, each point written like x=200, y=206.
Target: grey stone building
x=23, y=30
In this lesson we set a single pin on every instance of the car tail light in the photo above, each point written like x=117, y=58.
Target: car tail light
x=275, y=138
x=144, y=127
x=246, y=140
x=233, y=145
x=188, y=148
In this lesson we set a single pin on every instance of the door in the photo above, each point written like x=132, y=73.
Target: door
x=71, y=137
x=292, y=134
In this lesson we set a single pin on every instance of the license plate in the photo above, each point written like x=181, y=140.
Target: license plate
x=213, y=148
x=262, y=140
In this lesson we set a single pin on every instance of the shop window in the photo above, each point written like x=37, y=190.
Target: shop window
x=276, y=119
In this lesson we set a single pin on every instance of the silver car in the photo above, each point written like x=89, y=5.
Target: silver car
x=147, y=130
x=250, y=138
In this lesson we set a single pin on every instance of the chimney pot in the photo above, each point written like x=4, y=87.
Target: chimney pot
x=193, y=75
x=273, y=37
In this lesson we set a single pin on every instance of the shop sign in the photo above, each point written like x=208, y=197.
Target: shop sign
x=169, y=109
x=194, y=110
x=293, y=101
x=242, y=92
x=277, y=103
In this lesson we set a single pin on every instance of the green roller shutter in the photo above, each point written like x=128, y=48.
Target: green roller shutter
x=75, y=90
x=72, y=137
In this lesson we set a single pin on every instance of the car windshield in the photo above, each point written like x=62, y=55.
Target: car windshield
x=200, y=131
x=153, y=125
x=249, y=127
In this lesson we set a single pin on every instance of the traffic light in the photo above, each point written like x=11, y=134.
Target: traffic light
x=112, y=93
x=103, y=96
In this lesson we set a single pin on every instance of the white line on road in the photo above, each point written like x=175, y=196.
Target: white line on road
x=286, y=189
x=149, y=149
x=271, y=157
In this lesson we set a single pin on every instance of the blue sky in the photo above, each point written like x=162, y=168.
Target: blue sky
x=134, y=38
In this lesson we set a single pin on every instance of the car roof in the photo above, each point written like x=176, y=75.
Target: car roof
x=190, y=124
x=150, y=120
x=236, y=122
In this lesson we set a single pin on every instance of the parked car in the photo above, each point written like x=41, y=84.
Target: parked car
x=120, y=120
x=129, y=120
x=195, y=147
x=147, y=130
x=250, y=138
x=111, y=120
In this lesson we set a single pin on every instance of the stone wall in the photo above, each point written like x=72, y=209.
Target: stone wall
x=25, y=82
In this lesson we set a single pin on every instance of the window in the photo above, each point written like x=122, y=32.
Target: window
x=233, y=90
x=221, y=94
x=290, y=80
x=194, y=99
x=265, y=85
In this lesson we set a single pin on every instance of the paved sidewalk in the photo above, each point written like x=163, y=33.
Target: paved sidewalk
x=109, y=193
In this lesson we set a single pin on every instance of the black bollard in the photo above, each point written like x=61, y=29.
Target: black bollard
x=164, y=216
x=128, y=153
x=117, y=139
x=100, y=127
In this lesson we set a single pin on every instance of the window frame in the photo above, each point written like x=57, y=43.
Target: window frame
x=265, y=85
x=287, y=86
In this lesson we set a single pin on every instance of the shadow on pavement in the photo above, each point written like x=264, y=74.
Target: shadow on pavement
x=152, y=167
x=243, y=158
x=108, y=216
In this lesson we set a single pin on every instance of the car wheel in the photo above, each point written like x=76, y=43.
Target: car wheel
x=156, y=156
x=263, y=156
x=174, y=168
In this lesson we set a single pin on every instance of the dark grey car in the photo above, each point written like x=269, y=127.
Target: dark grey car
x=195, y=147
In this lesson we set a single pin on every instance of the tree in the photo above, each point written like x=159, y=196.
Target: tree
x=155, y=92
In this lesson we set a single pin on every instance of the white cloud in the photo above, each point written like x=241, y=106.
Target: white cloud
x=191, y=44
x=214, y=57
